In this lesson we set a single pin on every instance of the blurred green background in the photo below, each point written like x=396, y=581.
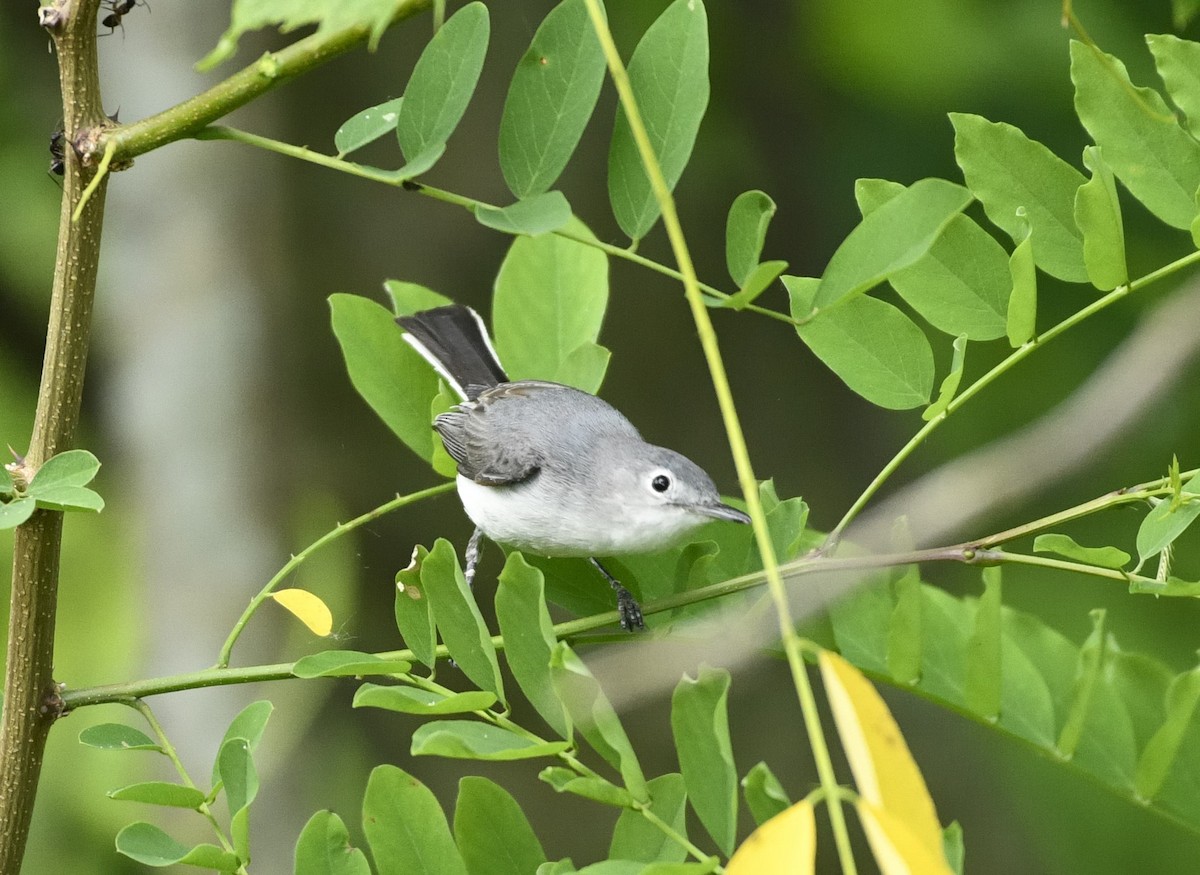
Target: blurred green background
x=218, y=402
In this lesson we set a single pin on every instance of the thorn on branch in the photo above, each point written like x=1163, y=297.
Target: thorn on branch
x=58, y=155
x=53, y=17
x=20, y=471
x=53, y=705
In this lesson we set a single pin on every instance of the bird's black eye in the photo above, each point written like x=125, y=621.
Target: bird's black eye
x=661, y=483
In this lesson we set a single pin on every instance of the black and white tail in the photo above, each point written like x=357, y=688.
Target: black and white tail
x=455, y=341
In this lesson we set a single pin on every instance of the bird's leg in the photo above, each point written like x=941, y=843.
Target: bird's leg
x=628, y=609
x=474, y=551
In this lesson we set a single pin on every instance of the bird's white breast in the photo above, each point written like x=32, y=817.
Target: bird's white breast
x=532, y=516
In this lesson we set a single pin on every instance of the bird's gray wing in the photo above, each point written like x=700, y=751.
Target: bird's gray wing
x=484, y=457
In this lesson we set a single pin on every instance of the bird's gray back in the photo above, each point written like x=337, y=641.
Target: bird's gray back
x=517, y=428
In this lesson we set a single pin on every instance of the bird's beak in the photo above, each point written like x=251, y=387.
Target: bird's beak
x=723, y=512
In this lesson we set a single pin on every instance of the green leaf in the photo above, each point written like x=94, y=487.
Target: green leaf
x=1178, y=63
x=870, y=194
x=550, y=298
x=72, y=468
x=66, y=498
x=323, y=848
x=595, y=788
x=1022, y=303
x=700, y=725
x=1065, y=545
x=249, y=724
x=147, y=844
x=406, y=828
x=347, y=663
x=585, y=366
x=949, y=385
x=409, y=298
x=472, y=740
x=889, y=239
x=871, y=345
x=759, y=281
x=160, y=793
x=551, y=97
x=952, y=847
x=904, y=638
x=961, y=286
x=669, y=77
x=389, y=374
x=1127, y=707
x=13, y=513
x=745, y=232
x=536, y=215
x=1098, y=215
x=765, y=796
x=443, y=81
x=414, y=618
x=785, y=521
x=594, y=717
x=117, y=736
x=1087, y=672
x=410, y=700
x=330, y=16
x=6, y=482
x=420, y=163
x=366, y=126
x=458, y=619
x=1163, y=525
x=239, y=778
x=1007, y=171
x=492, y=832
x=529, y=638
x=984, y=652
x=704, y=868
x=1156, y=159
x=1161, y=751
x=559, y=867
x=636, y=838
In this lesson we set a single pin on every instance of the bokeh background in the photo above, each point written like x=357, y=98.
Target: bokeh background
x=231, y=437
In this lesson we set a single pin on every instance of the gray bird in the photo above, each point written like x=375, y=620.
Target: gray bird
x=551, y=470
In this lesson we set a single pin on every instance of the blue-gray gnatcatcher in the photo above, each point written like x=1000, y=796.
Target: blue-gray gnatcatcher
x=552, y=470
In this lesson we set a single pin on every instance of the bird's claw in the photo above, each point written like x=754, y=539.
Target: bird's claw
x=629, y=611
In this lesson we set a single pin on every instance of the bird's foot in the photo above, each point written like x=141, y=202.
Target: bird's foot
x=628, y=610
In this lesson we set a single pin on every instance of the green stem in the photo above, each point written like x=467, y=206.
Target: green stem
x=292, y=564
x=503, y=721
x=970, y=552
x=268, y=72
x=674, y=834
x=169, y=749
x=1002, y=367
x=394, y=178
x=733, y=427
x=217, y=677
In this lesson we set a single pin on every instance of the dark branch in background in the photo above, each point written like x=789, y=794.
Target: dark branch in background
x=1138, y=375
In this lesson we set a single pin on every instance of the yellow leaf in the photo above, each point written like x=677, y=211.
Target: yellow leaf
x=897, y=849
x=308, y=609
x=884, y=771
x=784, y=845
